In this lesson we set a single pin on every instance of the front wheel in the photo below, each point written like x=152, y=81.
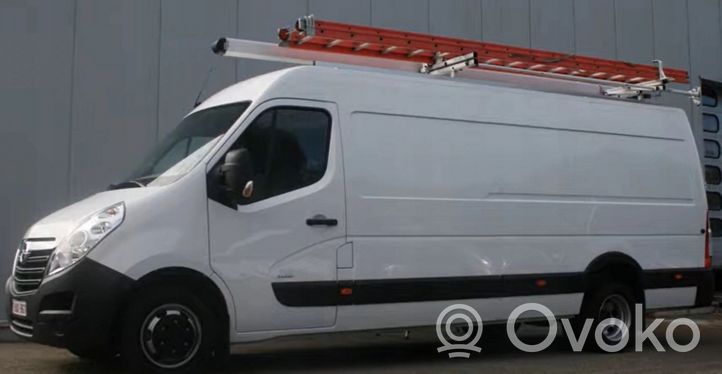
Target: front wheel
x=168, y=329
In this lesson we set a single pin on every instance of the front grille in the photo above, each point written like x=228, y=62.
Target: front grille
x=31, y=263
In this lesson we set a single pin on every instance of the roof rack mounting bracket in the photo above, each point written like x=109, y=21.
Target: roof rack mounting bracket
x=307, y=26
x=661, y=76
x=451, y=66
x=645, y=90
x=695, y=94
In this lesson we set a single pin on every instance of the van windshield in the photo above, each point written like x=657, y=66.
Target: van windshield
x=185, y=146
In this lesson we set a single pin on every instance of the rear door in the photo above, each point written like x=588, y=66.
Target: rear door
x=288, y=231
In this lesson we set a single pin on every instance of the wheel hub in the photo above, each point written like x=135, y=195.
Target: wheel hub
x=615, y=306
x=170, y=336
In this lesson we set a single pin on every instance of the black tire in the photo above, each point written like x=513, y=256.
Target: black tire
x=596, y=307
x=180, y=333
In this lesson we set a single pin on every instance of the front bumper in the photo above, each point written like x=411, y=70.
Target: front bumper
x=76, y=310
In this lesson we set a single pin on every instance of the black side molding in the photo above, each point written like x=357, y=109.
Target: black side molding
x=404, y=290
x=382, y=291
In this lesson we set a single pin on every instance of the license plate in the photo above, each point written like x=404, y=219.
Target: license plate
x=20, y=308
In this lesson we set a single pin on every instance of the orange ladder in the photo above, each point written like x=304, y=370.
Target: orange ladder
x=328, y=36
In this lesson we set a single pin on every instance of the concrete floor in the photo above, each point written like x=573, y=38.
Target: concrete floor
x=390, y=353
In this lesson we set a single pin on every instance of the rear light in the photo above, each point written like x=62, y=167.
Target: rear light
x=707, y=255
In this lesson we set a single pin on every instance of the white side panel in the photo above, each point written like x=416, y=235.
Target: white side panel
x=386, y=257
x=670, y=297
x=450, y=180
x=440, y=177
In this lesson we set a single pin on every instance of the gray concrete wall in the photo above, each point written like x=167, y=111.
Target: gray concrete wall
x=87, y=86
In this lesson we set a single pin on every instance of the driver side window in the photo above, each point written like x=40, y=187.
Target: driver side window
x=288, y=148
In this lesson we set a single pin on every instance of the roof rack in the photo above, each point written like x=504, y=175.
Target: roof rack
x=311, y=40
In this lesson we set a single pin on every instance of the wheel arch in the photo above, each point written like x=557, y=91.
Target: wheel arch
x=198, y=283
x=616, y=266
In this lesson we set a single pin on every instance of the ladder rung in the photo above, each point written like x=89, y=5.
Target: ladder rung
x=389, y=49
x=361, y=46
x=416, y=52
x=304, y=40
x=333, y=43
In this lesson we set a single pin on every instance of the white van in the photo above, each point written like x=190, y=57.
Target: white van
x=324, y=199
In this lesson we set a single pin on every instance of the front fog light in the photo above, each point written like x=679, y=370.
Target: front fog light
x=86, y=236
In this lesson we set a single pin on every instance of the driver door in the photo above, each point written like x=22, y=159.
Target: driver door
x=290, y=227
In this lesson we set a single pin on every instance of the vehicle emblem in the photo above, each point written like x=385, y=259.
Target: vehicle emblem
x=24, y=252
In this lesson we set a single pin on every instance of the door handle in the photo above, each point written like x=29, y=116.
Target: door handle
x=321, y=220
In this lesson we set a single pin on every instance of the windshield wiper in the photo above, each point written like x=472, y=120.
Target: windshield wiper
x=133, y=183
x=126, y=184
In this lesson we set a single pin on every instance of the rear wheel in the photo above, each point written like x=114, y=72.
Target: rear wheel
x=613, y=301
x=168, y=329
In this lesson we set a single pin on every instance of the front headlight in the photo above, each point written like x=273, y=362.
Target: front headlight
x=84, y=238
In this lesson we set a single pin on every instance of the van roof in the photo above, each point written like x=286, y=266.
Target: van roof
x=327, y=82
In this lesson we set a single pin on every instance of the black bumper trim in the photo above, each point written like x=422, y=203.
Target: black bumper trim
x=97, y=293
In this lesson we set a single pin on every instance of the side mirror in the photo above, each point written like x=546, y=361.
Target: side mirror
x=237, y=173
